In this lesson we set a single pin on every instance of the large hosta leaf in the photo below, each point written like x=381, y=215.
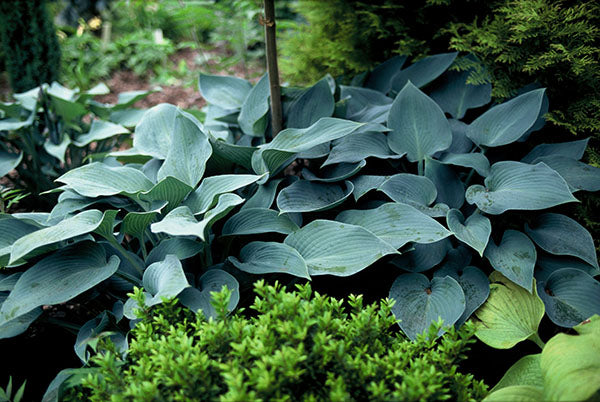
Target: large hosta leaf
x=397, y=224
x=526, y=371
x=99, y=179
x=169, y=189
x=314, y=103
x=475, y=161
x=180, y=247
x=269, y=257
x=423, y=256
x=59, y=278
x=409, y=188
x=419, y=127
x=514, y=258
x=258, y=220
x=100, y=130
x=82, y=223
x=570, y=296
x=521, y=393
x=424, y=71
x=20, y=324
x=475, y=231
x=334, y=248
x=153, y=133
x=474, y=284
x=225, y=92
x=578, y=175
x=548, y=263
x=308, y=196
x=510, y=315
x=382, y=76
x=507, y=122
x=455, y=96
x=200, y=298
x=205, y=196
x=571, y=149
x=516, y=185
x=450, y=189
x=571, y=363
x=12, y=229
x=9, y=161
x=253, y=116
x=188, y=152
x=420, y=302
x=333, y=173
x=355, y=148
x=560, y=235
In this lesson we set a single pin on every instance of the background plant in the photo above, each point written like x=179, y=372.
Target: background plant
x=298, y=345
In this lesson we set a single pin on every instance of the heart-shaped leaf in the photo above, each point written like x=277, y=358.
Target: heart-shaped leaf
x=269, y=257
x=475, y=231
x=420, y=302
x=507, y=122
x=514, y=257
x=474, y=284
x=570, y=296
x=314, y=103
x=258, y=220
x=224, y=92
x=59, y=278
x=560, y=235
x=519, y=186
x=510, y=315
x=153, y=133
x=397, y=224
x=308, y=196
x=419, y=127
x=334, y=248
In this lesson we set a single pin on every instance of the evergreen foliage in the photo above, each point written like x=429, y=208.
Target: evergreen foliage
x=555, y=43
x=29, y=43
x=299, y=346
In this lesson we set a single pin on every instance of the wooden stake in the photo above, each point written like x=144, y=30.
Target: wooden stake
x=270, y=40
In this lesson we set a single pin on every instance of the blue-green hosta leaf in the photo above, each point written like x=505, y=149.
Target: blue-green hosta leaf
x=315, y=103
x=58, y=150
x=450, y=189
x=578, y=175
x=225, y=92
x=519, y=186
x=455, y=96
x=475, y=161
x=82, y=223
x=128, y=98
x=98, y=179
x=423, y=71
x=11, y=229
x=290, y=141
x=409, y=188
x=100, y=130
x=380, y=79
x=420, y=302
x=164, y=279
x=570, y=296
x=180, y=247
x=570, y=149
x=526, y=371
x=546, y=264
x=460, y=142
x=474, y=284
x=419, y=127
x=9, y=161
x=475, y=231
x=205, y=196
x=264, y=195
x=253, y=116
x=560, y=235
x=188, y=152
x=320, y=151
x=397, y=224
x=169, y=189
x=365, y=183
x=334, y=248
x=258, y=220
x=308, y=196
x=103, y=325
x=507, y=122
x=7, y=282
x=514, y=257
x=154, y=132
x=225, y=204
x=213, y=280
x=510, y=315
x=59, y=278
x=423, y=256
x=241, y=155
x=331, y=174
x=268, y=257
x=18, y=325
x=359, y=98
x=127, y=117
x=107, y=224
x=136, y=223
x=357, y=147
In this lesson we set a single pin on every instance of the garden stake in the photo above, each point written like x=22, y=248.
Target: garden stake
x=272, y=70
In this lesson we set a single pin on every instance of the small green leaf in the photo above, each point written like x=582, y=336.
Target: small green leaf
x=510, y=315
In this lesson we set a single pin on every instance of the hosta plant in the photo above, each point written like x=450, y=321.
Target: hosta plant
x=51, y=129
x=410, y=169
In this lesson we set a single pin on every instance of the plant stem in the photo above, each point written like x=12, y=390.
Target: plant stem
x=421, y=167
x=538, y=341
x=272, y=69
x=125, y=254
x=469, y=177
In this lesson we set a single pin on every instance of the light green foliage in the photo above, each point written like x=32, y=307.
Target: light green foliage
x=296, y=345
x=6, y=394
x=554, y=43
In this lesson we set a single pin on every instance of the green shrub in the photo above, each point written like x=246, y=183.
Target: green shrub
x=555, y=43
x=292, y=346
x=29, y=42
